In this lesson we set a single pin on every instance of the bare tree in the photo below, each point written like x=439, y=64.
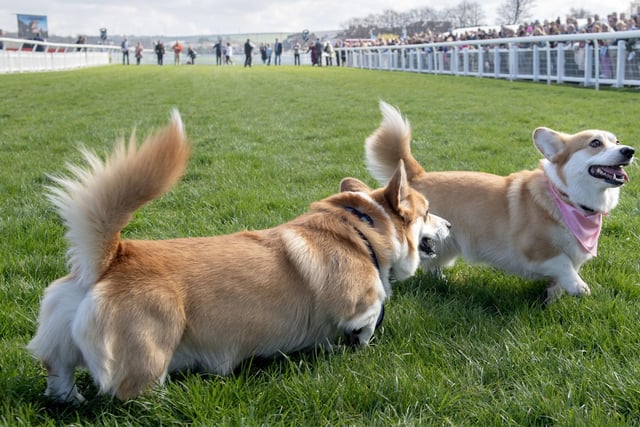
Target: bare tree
x=389, y=19
x=465, y=14
x=580, y=13
x=514, y=11
x=422, y=14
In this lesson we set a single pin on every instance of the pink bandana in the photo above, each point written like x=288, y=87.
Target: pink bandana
x=586, y=228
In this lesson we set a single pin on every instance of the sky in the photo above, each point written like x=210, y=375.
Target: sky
x=216, y=17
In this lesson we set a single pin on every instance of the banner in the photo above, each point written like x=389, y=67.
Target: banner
x=30, y=25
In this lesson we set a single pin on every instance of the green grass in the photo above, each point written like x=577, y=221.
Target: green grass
x=476, y=349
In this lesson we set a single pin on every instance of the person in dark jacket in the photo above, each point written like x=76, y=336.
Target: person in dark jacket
x=159, y=49
x=248, y=52
x=277, y=51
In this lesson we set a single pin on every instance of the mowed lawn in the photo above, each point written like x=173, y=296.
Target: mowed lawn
x=476, y=348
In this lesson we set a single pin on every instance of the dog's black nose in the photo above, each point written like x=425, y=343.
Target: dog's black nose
x=628, y=152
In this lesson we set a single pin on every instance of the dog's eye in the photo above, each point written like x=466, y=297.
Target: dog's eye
x=595, y=143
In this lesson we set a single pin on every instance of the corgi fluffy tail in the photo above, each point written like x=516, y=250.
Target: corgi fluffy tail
x=389, y=144
x=97, y=201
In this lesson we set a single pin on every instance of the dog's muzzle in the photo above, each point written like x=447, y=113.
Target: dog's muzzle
x=430, y=245
x=614, y=175
x=427, y=247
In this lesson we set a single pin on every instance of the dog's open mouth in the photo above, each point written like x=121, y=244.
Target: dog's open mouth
x=614, y=175
x=427, y=247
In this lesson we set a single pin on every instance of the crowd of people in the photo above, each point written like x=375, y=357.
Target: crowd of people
x=158, y=49
x=328, y=52
x=571, y=25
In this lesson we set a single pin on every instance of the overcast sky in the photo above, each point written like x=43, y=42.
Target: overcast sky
x=211, y=17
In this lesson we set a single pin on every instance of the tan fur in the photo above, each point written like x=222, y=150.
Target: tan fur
x=510, y=222
x=133, y=310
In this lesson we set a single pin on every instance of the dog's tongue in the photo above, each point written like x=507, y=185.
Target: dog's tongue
x=617, y=171
x=624, y=174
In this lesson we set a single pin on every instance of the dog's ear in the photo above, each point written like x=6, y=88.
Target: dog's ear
x=397, y=191
x=353, y=184
x=548, y=142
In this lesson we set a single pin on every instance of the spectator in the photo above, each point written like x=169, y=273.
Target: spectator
x=218, y=50
x=138, y=52
x=314, y=53
x=263, y=53
x=328, y=49
x=277, y=51
x=248, y=52
x=125, y=51
x=192, y=55
x=337, y=46
x=296, y=54
x=228, y=54
x=1, y=42
x=269, y=52
x=177, y=52
x=159, y=48
x=39, y=47
x=318, y=48
x=81, y=40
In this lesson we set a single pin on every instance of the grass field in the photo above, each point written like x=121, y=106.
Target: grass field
x=475, y=349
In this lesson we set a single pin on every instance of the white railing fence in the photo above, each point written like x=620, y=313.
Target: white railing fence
x=21, y=55
x=590, y=59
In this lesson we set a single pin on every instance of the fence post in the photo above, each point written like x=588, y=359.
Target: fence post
x=560, y=62
x=620, y=68
x=596, y=59
x=588, y=64
x=536, y=63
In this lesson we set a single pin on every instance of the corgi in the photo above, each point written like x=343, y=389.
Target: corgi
x=538, y=224
x=130, y=311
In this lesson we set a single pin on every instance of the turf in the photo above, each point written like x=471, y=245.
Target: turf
x=475, y=349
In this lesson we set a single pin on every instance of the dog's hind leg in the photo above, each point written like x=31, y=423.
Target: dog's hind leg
x=147, y=348
x=53, y=343
x=128, y=340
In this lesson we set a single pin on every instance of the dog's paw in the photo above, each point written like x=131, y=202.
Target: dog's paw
x=552, y=293
x=579, y=289
x=584, y=290
x=555, y=291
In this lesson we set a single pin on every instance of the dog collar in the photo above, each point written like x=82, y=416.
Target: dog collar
x=366, y=218
x=585, y=227
x=361, y=215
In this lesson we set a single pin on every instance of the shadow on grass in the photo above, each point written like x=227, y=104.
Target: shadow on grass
x=467, y=294
x=477, y=287
x=101, y=409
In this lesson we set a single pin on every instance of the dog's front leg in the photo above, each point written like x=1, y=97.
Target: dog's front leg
x=359, y=329
x=564, y=278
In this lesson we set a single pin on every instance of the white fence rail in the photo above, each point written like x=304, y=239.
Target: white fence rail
x=20, y=55
x=590, y=59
